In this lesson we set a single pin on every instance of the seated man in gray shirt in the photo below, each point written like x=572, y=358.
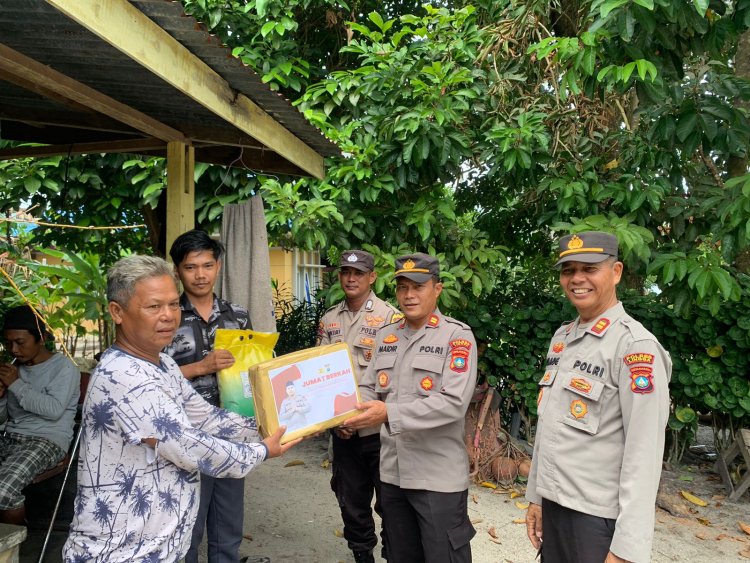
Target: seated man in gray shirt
x=38, y=398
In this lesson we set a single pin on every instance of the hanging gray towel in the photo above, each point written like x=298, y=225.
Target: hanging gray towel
x=245, y=276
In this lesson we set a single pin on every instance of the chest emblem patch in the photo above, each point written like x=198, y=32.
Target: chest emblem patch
x=426, y=383
x=366, y=341
x=460, y=354
x=641, y=380
x=390, y=339
x=578, y=409
x=383, y=379
x=368, y=355
x=547, y=377
x=558, y=347
x=581, y=385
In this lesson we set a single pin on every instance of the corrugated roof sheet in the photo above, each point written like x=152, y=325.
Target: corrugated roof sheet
x=41, y=32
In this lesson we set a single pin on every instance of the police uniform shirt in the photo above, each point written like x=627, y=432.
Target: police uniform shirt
x=426, y=380
x=603, y=406
x=358, y=329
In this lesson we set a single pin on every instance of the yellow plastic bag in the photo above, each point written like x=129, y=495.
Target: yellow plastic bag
x=248, y=348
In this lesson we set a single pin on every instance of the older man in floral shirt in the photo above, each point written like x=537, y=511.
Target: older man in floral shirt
x=147, y=434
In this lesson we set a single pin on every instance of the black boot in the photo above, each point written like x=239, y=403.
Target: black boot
x=364, y=556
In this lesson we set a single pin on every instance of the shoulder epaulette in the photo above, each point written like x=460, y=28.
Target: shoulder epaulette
x=637, y=330
x=456, y=322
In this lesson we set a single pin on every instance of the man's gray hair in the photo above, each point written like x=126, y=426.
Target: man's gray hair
x=128, y=271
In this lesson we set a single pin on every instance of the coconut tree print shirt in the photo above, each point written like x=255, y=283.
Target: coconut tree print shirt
x=136, y=503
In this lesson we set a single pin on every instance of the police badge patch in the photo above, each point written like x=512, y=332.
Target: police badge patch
x=578, y=409
x=383, y=379
x=641, y=380
x=460, y=354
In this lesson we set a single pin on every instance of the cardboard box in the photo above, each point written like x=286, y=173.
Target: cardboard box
x=307, y=391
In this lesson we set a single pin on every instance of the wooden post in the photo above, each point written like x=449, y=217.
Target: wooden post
x=180, y=190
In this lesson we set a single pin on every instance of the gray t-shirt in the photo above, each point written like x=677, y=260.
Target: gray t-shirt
x=42, y=401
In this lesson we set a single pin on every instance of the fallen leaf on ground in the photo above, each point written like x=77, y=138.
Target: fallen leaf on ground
x=744, y=527
x=704, y=521
x=325, y=463
x=701, y=536
x=519, y=520
x=477, y=520
x=294, y=462
x=694, y=499
x=686, y=477
x=474, y=498
x=338, y=533
x=515, y=494
x=522, y=505
x=488, y=485
x=718, y=497
x=745, y=553
x=247, y=537
x=498, y=542
x=491, y=531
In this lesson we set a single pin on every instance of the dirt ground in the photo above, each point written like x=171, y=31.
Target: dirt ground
x=291, y=515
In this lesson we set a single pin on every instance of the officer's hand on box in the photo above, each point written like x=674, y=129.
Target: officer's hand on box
x=375, y=413
x=343, y=433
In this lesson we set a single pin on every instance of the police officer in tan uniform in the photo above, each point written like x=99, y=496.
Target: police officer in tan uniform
x=356, y=455
x=419, y=384
x=603, y=406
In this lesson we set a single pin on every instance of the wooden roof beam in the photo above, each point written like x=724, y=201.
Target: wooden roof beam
x=126, y=28
x=27, y=69
x=129, y=145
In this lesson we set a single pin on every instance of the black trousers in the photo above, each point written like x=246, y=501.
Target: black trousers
x=426, y=526
x=356, y=476
x=574, y=537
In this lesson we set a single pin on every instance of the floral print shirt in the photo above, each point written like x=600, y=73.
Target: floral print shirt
x=135, y=503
